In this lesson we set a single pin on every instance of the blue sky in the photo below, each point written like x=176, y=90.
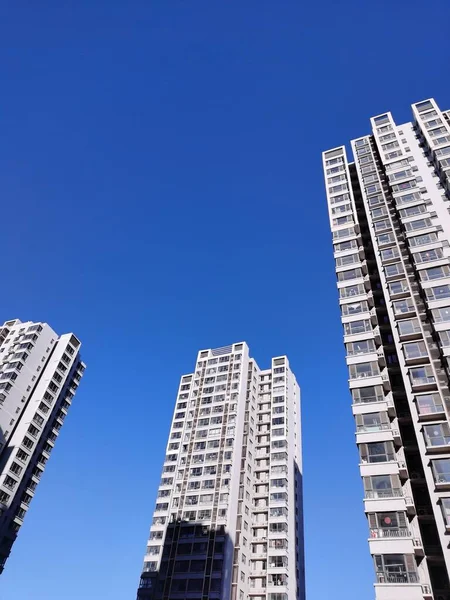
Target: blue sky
x=162, y=192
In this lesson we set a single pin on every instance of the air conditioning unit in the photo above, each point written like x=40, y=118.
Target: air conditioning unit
x=414, y=476
x=422, y=511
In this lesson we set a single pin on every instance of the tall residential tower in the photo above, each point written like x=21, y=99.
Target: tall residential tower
x=228, y=521
x=39, y=375
x=390, y=221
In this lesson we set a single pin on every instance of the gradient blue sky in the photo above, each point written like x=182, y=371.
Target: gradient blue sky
x=162, y=192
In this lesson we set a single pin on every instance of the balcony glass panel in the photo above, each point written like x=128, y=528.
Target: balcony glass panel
x=429, y=404
x=361, y=347
x=441, y=470
x=362, y=370
x=354, y=308
x=373, y=393
x=422, y=376
x=437, y=435
x=409, y=326
x=441, y=315
x=403, y=306
x=356, y=327
x=438, y=293
x=377, y=452
x=415, y=350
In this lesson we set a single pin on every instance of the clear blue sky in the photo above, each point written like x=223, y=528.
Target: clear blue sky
x=162, y=192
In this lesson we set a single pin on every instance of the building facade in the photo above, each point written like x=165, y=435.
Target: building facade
x=39, y=375
x=228, y=521
x=389, y=214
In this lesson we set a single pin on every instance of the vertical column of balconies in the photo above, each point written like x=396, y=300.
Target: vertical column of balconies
x=434, y=131
x=383, y=467
x=260, y=496
x=281, y=560
x=420, y=216
x=395, y=535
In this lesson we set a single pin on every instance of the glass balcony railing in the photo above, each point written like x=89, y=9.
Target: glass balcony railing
x=380, y=494
x=373, y=428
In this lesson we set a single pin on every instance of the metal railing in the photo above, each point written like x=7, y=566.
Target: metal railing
x=389, y=532
x=400, y=577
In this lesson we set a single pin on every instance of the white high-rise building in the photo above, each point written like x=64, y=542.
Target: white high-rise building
x=389, y=213
x=39, y=375
x=228, y=521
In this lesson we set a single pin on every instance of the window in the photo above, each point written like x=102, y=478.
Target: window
x=429, y=404
x=415, y=350
x=428, y=256
x=437, y=435
x=441, y=470
x=386, y=238
x=355, y=327
x=418, y=224
x=398, y=287
x=387, y=524
x=435, y=273
x=382, y=486
x=349, y=259
x=389, y=254
x=421, y=376
x=381, y=225
x=438, y=293
x=441, y=315
x=9, y=482
x=408, y=326
x=394, y=270
x=342, y=220
x=353, y=290
x=15, y=468
x=341, y=208
x=400, y=175
x=413, y=211
x=395, y=568
x=361, y=370
x=349, y=274
x=406, y=185
x=445, y=507
x=34, y=431
x=403, y=306
x=361, y=347
x=373, y=393
x=375, y=421
x=377, y=452
x=342, y=233
x=340, y=198
x=422, y=240
x=342, y=246
x=355, y=308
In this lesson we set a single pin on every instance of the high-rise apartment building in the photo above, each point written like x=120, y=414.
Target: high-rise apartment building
x=228, y=520
x=39, y=374
x=389, y=213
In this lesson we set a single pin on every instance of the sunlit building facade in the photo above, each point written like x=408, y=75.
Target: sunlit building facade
x=228, y=521
x=39, y=375
x=389, y=214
